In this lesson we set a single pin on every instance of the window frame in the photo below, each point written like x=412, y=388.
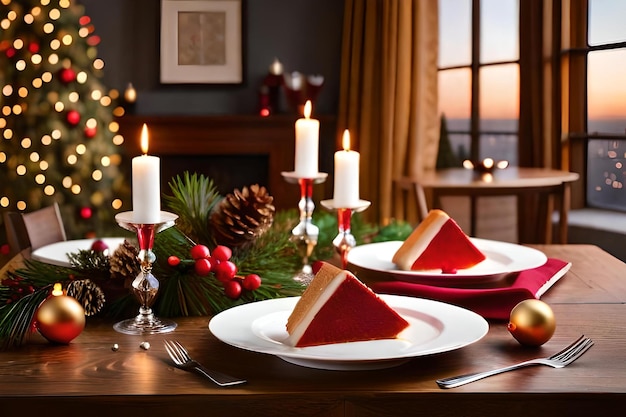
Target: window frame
x=475, y=66
x=573, y=55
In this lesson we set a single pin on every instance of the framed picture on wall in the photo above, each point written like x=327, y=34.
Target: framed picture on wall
x=201, y=42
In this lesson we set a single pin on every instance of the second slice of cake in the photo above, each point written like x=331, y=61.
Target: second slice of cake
x=437, y=243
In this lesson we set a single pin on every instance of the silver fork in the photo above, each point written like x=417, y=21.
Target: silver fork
x=558, y=360
x=182, y=360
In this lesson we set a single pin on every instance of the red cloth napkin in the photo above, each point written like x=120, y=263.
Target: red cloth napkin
x=491, y=303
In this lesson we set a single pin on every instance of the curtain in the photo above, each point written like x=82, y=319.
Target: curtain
x=388, y=97
x=539, y=140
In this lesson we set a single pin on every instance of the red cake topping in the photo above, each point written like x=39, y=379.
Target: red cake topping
x=338, y=308
x=438, y=243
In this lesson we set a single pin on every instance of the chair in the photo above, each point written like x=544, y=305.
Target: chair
x=44, y=226
x=17, y=236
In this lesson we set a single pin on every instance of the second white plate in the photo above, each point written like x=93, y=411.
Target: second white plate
x=56, y=253
x=502, y=258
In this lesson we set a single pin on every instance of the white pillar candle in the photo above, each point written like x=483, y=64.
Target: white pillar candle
x=307, y=145
x=346, y=193
x=146, y=185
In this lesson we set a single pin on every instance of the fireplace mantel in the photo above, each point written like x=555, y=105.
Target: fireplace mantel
x=177, y=138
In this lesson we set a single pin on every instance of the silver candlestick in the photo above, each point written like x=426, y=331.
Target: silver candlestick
x=145, y=286
x=305, y=233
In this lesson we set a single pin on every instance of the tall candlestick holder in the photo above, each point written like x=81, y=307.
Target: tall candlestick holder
x=345, y=240
x=145, y=286
x=305, y=233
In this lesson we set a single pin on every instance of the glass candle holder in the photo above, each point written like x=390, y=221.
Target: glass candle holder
x=145, y=286
x=345, y=240
x=305, y=234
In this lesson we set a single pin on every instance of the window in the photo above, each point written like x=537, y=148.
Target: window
x=479, y=77
x=605, y=106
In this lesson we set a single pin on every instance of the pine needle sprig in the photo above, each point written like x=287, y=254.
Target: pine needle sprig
x=90, y=262
x=193, y=198
x=16, y=318
x=41, y=274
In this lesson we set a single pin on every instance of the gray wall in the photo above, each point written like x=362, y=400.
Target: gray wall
x=305, y=35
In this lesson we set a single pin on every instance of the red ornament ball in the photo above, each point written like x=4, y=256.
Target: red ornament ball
x=73, y=117
x=86, y=212
x=90, y=132
x=99, y=246
x=67, y=75
x=173, y=260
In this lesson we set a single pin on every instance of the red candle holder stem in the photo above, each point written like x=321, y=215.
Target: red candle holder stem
x=305, y=234
x=145, y=286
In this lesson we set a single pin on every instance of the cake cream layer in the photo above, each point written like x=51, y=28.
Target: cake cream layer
x=326, y=282
x=420, y=238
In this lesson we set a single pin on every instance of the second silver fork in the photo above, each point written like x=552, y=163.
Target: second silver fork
x=558, y=360
x=183, y=360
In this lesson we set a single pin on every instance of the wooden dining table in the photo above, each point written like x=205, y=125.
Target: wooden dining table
x=88, y=377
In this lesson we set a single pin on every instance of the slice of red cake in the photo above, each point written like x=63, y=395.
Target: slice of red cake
x=438, y=243
x=337, y=308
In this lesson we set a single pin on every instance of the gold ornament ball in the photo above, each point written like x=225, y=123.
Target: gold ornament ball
x=60, y=319
x=532, y=322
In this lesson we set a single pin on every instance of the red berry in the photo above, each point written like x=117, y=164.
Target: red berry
x=251, y=282
x=222, y=253
x=199, y=252
x=232, y=289
x=225, y=271
x=202, y=267
x=173, y=260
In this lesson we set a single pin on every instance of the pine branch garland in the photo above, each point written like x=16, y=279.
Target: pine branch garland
x=182, y=292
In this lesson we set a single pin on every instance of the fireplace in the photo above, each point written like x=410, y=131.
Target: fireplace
x=234, y=150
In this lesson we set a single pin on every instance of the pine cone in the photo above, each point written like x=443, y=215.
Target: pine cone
x=124, y=263
x=243, y=216
x=88, y=294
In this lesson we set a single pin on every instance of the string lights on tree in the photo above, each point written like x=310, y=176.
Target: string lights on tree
x=58, y=137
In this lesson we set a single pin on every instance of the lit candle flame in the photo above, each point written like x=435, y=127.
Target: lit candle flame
x=144, y=139
x=58, y=289
x=307, y=109
x=346, y=140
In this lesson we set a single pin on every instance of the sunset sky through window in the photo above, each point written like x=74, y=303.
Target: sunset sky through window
x=499, y=39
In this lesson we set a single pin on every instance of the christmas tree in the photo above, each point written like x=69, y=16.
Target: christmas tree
x=58, y=135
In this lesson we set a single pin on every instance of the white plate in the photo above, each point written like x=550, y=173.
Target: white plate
x=501, y=259
x=56, y=253
x=434, y=327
